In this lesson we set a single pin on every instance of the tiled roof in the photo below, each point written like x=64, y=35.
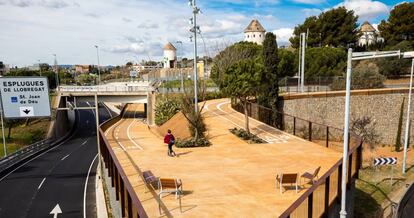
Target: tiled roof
x=254, y=26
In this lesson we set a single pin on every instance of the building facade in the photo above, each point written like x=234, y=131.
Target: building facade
x=254, y=32
x=368, y=35
x=170, y=56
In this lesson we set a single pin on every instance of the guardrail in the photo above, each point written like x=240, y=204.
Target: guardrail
x=23, y=153
x=130, y=204
x=107, y=88
x=318, y=200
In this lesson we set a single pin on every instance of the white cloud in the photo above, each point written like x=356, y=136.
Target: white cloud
x=310, y=2
x=311, y=11
x=283, y=35
x=366, y=9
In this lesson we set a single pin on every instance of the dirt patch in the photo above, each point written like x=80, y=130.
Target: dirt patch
x=178, y=124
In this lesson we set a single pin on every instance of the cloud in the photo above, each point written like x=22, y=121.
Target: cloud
x=148, y=25
x=311, y=11
x=310, y=2
x=366, y=9
x=138, y=48
x=126, y=20
x=283, y=35
x=55, y=4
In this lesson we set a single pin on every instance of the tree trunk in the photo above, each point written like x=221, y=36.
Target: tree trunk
x=246, y=116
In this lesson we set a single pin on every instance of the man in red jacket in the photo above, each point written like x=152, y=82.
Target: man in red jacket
x=170, y=140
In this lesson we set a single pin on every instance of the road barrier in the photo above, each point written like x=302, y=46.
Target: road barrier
x=321, y=198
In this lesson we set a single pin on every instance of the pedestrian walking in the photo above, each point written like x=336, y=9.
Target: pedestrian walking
x=169, y=139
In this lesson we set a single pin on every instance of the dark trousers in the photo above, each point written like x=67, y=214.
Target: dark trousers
x=170, y=150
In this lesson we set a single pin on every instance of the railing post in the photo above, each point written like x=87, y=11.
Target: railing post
x=310, y=131
x=122, y=192
x=338, y=197
x=327, y=188
x=327, y=136
x=294, y=125
x=349, y=170
x=310, y=205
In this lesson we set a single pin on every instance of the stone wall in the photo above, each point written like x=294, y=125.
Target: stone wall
x=381, y=105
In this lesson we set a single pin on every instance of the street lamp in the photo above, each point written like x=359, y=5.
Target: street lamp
x=56, y=72
x=193, y=21
x=363, y=56
x=181, y=65
x=99, y=69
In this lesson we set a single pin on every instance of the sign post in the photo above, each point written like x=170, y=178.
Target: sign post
x=25, y=97
x=386, y=161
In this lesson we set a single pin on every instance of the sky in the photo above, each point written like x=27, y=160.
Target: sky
x=135, y=30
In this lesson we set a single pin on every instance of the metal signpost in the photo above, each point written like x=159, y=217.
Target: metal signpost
x=386, y=161
x=22, y=98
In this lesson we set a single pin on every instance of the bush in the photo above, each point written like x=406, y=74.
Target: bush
x=165, y=109
x=364, y=76
x=192, y=143
x=243, y=134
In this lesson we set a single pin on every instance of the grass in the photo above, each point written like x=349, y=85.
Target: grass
x=374, y=191
x=25, y=135
x=187, y=83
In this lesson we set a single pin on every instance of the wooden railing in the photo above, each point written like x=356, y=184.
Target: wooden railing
x=318, y=200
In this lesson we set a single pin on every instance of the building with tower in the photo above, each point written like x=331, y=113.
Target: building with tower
x=368, y=35
x=170, y=56
x=254, y=32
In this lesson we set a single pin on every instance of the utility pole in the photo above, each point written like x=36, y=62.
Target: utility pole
x=302, y=86
x=195, y=29
x=299, y=65
x=407, y=124
x=99, y=69
x=181, y=65
x=56, y=72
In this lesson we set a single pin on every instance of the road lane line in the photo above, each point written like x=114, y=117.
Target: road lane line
x=65, y=157
x=107, y=109
x=41, y=183
x=129, y=136
x=86, y=186
x=93, y=111
x=85, y=142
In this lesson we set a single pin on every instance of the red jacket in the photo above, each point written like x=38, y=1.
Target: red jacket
x=168, y=138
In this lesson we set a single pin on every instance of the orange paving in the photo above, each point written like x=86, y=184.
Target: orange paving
x=229, y=179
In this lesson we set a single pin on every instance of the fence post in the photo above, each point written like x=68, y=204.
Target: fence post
x=327, y=136
x=294, y=125
x=327, y=189
x=310, y=205
x=310, y=131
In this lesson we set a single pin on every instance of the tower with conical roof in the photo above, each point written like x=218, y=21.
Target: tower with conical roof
x=254, y=32
x=368, y=35
x=170, y=56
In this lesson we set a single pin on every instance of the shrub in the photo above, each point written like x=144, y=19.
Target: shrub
x=399, y=128
x=365, y=76
x=243, y=134
x=192, y=143
x=165, y=109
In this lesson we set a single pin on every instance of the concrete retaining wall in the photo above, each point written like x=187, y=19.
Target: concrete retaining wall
x=381, y=105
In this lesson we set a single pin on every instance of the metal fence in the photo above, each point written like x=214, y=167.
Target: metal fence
x=113, y=88
x=321, y=197
x=124, y=191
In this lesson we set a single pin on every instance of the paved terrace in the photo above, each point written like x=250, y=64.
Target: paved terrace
x=229, y=179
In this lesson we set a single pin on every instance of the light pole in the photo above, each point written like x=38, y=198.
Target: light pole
x=99, y=69
x=354, y=57
x=302, y=85
x=407, y=124
x=181, y=65
x=40, y=68
x=196, y=10
x=56, y=72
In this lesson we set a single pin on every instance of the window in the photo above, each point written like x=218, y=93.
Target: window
x=260, y=35
x=254, y=36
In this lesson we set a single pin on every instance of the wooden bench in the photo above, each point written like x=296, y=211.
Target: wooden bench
x=287, y=178
x=168, y=185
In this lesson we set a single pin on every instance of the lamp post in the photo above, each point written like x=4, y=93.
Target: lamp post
x=99, y=69
x=196, y=10
x=407, y=124
x=56, y=72
x=181, y=65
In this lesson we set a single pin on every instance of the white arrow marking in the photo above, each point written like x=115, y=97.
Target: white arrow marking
x=56, y=211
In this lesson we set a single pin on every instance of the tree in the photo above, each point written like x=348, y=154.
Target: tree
x=324, y=62
x=286, y=66
x=270, y=78
x=336, y=27
x=242, y=80
x=400, y=24
x=392, y=67
x=232, y=55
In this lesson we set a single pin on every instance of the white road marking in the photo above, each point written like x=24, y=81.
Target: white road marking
x=271, y=139
x=41, y=183
x=107, y=109
x=93, y=111
x=85, y=142
x=129, y=136
x=65, y=157
x=56, y=210
x=86, y=186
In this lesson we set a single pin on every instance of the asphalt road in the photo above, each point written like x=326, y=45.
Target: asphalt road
x=64, y=176
x=407, y=204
